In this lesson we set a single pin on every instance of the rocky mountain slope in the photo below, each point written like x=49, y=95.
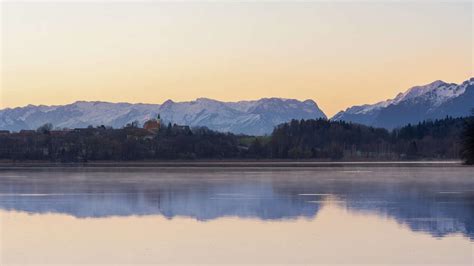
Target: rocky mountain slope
x=435, y=100
x=248, y=117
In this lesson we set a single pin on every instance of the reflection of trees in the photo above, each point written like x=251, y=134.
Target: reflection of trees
x=420, y=206
x=200, y=199
x=439, y=207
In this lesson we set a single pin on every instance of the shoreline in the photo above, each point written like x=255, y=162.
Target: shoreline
x=232, y=164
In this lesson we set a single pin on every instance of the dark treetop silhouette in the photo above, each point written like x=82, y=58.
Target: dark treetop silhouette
x=299, y=139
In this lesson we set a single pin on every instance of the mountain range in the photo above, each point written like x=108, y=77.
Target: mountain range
x=432, y=101
x=435, y=100
x=246, y=117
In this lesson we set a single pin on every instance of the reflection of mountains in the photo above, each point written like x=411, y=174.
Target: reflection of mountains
x=203, y=201
x=440, y=208
x=423, y=208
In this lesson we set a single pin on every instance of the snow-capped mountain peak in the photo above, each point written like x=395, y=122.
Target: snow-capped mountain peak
x=435, y=100
x=437, y=92
x=249, y=117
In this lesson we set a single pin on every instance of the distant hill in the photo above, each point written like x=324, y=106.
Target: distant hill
x=432, y=101
x=248, y=117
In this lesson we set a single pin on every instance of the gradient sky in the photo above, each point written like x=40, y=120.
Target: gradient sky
x=338, y=54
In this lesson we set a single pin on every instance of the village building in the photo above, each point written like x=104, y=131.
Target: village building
x=153, y=125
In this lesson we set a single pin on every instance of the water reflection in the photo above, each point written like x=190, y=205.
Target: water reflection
x=436, y=200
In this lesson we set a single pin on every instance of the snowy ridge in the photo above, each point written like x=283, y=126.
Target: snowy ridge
x=438, y=92
x=249, y=117
x=433, y=100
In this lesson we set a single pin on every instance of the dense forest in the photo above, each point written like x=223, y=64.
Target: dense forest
x=467, y=152
x=438, y=139
x=129, y=143
x=298, y=139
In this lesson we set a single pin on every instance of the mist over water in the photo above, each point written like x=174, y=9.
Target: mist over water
x=432, y=204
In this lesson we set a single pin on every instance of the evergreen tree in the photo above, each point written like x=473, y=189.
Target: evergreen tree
x=468, y=141
x=45, y=129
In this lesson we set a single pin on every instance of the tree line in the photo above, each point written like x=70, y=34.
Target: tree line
x=321, y=139
x=468, y=141
x=339, y=140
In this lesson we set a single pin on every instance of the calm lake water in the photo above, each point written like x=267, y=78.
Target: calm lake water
x=355, y=215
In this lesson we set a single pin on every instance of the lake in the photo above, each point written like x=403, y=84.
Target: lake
x=345, y=214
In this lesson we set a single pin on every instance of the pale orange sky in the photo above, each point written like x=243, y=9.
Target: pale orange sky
x=338, y=54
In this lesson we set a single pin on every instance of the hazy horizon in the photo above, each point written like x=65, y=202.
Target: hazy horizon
x=203, y=97
x=337, y=54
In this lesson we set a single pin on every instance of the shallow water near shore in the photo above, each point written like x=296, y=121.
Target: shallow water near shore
x=343, y=214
